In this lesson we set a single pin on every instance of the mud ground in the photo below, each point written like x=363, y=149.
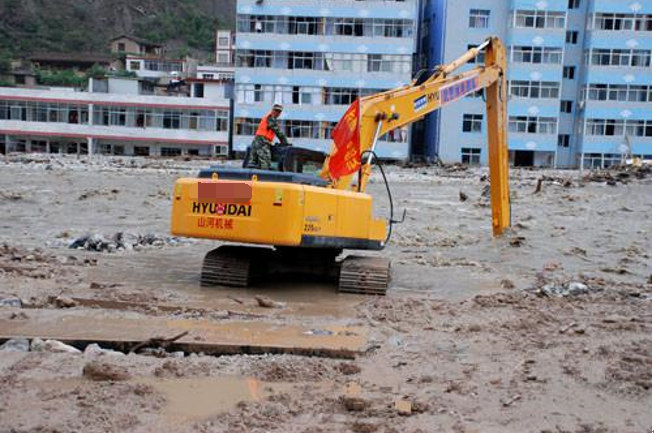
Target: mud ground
x=476, y=334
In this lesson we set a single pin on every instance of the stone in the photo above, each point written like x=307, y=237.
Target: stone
x=16, y=345
x=576, y=288
x=53, y=346
x=102, y=371
x=64, y=302
x=11, y=302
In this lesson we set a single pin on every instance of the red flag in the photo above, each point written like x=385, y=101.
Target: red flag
x=347, y=146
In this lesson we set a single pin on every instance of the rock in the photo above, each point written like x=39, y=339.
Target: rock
x=517, y=241
x=53, y=346
x=16, y=345
x=266, y=302
x=463, y=196
x=576, y=288
x=507, y=284
x=93, y=350
x=348, y=368
x=64, y=302
x=354, y=404
x=102, y=371
x=11, y=302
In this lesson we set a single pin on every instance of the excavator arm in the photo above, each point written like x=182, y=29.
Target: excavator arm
x=383, y=112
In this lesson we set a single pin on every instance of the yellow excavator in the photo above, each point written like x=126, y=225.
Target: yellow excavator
x=289, y=221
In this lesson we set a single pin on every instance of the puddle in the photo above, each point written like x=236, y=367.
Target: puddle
x=198, y=398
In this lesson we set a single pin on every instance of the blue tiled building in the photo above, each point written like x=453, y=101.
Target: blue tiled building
x=316, y=57
x=580, y=80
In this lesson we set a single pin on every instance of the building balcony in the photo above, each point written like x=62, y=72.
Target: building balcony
x=330, y=43
x=622, y=39
x=617, y=110
x=341, y=9
x=615, y=144
x=310, y=77
x=83, y=131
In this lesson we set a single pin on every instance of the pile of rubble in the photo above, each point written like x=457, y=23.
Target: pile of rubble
x=623, y=174
x=123, y=241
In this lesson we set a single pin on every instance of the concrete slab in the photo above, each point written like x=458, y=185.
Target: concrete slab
x=229, y=337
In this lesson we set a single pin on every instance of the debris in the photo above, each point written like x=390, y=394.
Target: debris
x=539, y=186
x=158, y=342
x=266, y=302
x=123, y=241
x=348, y=368
x=16, y=345
x=94, y=349
x=517, y=241
x=354, y=404
x=507, y=284
x=403, y=407
x=573, y=288
x=235, y=299
x=510, y=401
x=319, y=332
x=102, y=371
x=463, y=196
x=64, y=302
x=53, y=346
x=11, y=302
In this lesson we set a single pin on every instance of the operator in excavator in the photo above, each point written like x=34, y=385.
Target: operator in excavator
x=261, y=148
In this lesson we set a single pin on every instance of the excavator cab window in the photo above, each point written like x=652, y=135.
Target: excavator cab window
x=293, y=160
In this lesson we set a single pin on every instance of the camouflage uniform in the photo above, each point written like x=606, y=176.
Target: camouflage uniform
x=261, y=148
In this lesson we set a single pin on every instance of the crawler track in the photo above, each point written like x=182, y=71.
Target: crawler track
x=365, y=275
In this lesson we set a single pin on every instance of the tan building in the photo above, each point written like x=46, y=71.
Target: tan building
x=125, y=44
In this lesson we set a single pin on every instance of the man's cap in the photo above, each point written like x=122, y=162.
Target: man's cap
x=277, y=107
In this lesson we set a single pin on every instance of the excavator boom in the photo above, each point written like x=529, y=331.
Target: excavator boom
x=383, y=112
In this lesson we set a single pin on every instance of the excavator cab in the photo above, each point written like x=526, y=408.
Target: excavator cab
x=289, y=159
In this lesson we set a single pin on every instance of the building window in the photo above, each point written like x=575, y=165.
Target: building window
x=566, y=106
x=539, y=19
x=618, y=57
x=142, y=150
x=348, y=26
x=470, y=156
x=223, y=58
x=135, y=66
x=569, y=72
x=534, y=89
x=479, y=18
x=571, y=37
x=223, y=41
x=532, y=125
x=171, y=120
x=171, y=151
x=617, y=92
x=529, y=54
x=619, y=127
x=621, y=22
x=303, y=25
x=564, y=140
x=121, y=47
x=573, y=4
x=472, y=122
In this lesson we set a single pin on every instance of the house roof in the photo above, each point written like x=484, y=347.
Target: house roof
x=137, y=40
x=71, y=57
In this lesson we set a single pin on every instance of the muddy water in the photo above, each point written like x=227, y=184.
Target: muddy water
x=198, y=398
